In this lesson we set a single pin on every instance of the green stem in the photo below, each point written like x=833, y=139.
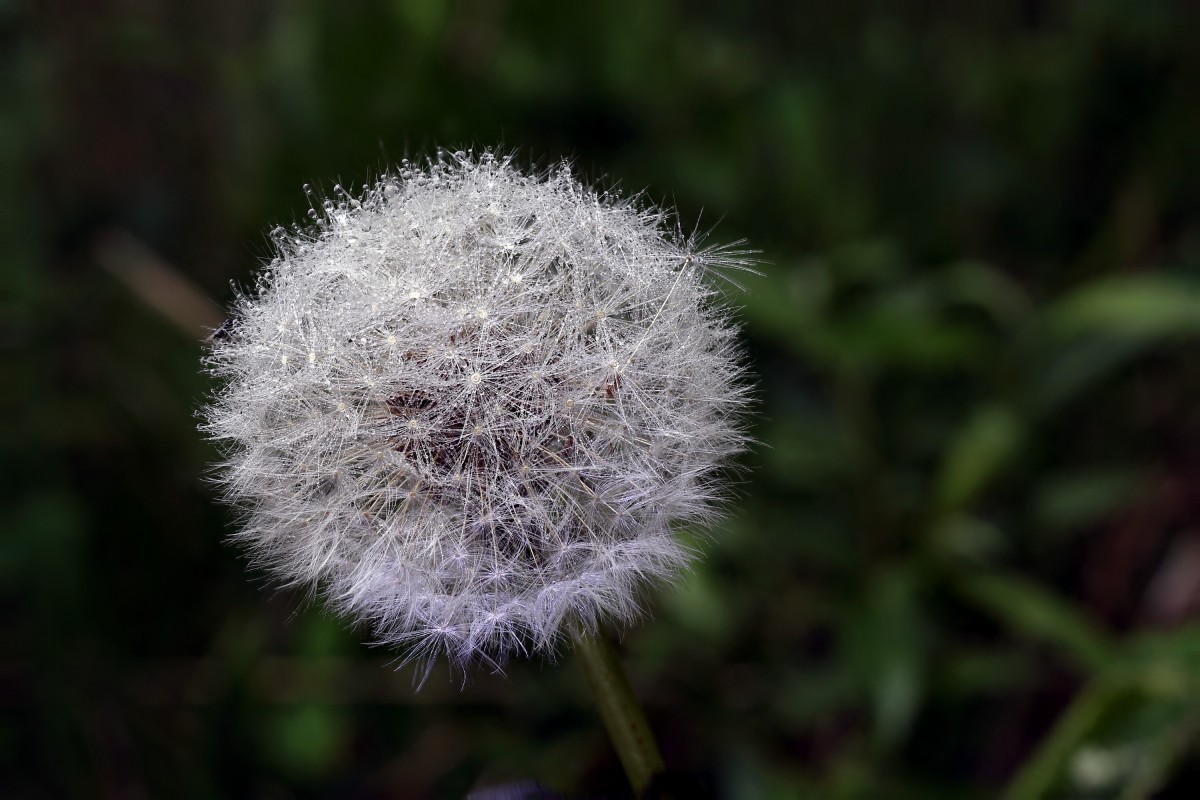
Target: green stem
x=622, y=715
x=1044, y=767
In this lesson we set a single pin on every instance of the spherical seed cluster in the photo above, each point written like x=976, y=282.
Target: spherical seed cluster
x=471, y=403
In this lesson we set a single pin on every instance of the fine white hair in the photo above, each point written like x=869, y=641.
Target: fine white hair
x=470, y=405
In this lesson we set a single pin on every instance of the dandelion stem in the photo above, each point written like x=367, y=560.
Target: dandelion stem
x=622, y=714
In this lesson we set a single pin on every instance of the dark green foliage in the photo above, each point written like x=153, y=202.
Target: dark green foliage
x=966, y=558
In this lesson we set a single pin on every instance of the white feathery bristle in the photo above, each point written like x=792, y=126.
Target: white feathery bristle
x=470, y=405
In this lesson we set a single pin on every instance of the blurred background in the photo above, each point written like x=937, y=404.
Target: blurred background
x=964, y=561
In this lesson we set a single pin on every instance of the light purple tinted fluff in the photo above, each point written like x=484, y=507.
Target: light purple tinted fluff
x=472, y=403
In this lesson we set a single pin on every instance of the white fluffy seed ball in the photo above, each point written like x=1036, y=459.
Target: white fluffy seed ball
x=470, y=405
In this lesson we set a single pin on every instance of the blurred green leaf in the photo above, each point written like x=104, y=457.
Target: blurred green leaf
x=1142, y=307
x=968, y=537
x=1068, y=372
x=982, y=449
x=425, y=18
x=985, y=286
x=1029, y=609
x=901, y=330
x=1083, y=497
x=887, y=647
x=1100, y=327
x=1167, y=659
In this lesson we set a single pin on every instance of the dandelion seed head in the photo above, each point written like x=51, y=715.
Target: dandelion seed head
x=469, y=464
